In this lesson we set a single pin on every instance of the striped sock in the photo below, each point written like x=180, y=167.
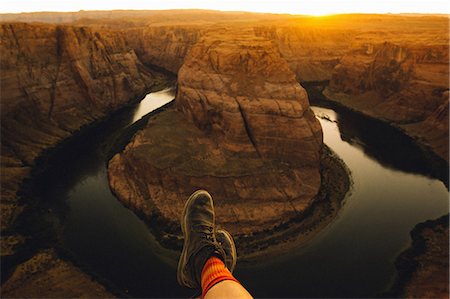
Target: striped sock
x=214, y=272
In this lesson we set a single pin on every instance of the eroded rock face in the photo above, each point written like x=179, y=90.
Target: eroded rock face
x=403, y=85
x=242, y=129
x=164, y=46
x=423, y=267
x=434, y=129
x=311, y=52
x=393, y=68
x=56, y=79
x=47, y=276
x=242, y=92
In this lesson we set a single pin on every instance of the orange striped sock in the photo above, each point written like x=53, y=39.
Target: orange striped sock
x=214, y=272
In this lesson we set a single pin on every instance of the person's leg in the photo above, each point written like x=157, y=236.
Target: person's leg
x=201, y=264
x=227, y=289
x=218, y=282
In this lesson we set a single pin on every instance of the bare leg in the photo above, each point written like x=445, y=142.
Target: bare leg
x=228, y=289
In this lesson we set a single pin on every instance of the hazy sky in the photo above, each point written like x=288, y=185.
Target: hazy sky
x=315, y=7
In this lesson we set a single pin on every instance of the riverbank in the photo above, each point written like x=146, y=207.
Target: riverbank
x=120, y=252
x=288, y=232
x=423, y=267
x=336, y=182
x=37, y=228
x=292, y=233
x=434, y=144
x=438, y=167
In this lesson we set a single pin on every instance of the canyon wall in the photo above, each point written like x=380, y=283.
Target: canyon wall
x=54, y=81
x=423, y=267
x=47, y=276
x=242, y=91
x=406, y=85
x=241, y=128
x=163, y=46
x=244, y=129
x=312, y=53
x=393, y=68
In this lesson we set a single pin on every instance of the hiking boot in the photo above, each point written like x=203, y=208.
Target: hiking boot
x=227, y=243
x=200, y=243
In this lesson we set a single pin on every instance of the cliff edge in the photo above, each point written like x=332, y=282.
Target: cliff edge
x=241, y=128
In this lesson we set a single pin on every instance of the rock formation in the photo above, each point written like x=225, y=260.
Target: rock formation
x=55, y=80
x=403, y=85
x=242, y=129
x=163, y=46
x=423, y=267
x=393, y=68
x=47, y=276
x=312, y=53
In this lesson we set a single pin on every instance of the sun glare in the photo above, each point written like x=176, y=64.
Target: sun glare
x=315, y=8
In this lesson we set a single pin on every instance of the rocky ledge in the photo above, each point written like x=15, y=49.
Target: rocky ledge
x=423, y=267
x=45, y=275
x=241, y=128
x=55, y=80
x=405, y=85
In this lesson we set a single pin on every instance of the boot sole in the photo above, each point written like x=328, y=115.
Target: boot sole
x=182, y=262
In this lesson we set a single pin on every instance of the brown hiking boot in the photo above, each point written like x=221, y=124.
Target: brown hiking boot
x=227, y=243
x=200, y=243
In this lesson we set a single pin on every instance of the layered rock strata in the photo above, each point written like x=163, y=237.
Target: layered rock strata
x=47, y=276
x=423, y=267
x=55, y=80
x=163, y=46
x=312, y=53
x=403, y=85
x=241, y=129
x=393, y=68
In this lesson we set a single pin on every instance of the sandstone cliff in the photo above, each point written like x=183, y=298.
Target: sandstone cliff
x=311, y=53
x=393, y=68
x=235, y=104
x=423, y=267
x=163, y=46
x=242, y=129
x=47, y=276
x=403, y=85
x=54, y=80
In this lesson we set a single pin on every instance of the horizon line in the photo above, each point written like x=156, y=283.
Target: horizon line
x=230, y=11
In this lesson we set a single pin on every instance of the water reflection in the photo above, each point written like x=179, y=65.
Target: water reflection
x=153, y=101
x=91, y=223
x=352, y=257
x=383, y=143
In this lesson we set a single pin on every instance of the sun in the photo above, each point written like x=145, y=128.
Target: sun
x=303, y=7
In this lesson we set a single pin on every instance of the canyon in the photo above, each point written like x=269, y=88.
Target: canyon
x=241, y=129
x=256, y=142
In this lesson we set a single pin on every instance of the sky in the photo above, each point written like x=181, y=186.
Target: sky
x=311, y=7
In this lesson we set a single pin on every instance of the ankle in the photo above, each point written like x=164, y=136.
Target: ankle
x=202, y=258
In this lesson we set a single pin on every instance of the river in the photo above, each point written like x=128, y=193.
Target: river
x=394, y=188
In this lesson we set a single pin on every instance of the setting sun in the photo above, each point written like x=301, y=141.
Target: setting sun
x=149, y=148
x=316, y=8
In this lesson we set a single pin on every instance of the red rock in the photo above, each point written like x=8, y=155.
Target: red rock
x=55, y=80
x=243, y=131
